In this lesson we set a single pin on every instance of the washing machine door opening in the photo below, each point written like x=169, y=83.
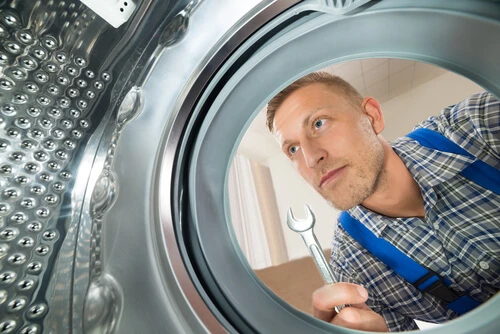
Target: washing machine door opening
x=243, y=84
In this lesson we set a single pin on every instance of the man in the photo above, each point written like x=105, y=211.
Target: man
x=412, y=196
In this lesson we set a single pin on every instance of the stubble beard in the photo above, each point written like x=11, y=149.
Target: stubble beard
x=367, y=176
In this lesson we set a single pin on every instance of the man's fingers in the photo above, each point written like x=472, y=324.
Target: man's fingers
x=361, y=319
x=357, y=316
x=361, y=306
x=327, y=297
x=324, y=315
x=328, y=315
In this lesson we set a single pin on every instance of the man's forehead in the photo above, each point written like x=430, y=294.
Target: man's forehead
x=290, y=121
x=301, y=116
x=307, y=100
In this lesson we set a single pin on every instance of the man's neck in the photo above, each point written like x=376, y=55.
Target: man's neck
x=397, y=194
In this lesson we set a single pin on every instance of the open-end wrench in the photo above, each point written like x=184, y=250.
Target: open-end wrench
x=305, y=228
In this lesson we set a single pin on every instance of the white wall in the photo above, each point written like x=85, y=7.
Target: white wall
x=292, y=191
x=404, y=111
x=401, y=114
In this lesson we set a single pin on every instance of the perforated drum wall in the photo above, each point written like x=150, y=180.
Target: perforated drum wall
x=115, y=145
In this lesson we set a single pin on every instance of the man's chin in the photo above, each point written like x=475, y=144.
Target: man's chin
x=341, y=206
x=345, y=199
x=344, y=202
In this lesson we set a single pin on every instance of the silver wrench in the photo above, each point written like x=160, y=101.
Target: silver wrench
x=305, y=228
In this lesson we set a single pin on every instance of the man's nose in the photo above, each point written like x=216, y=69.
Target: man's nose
x=312, y=154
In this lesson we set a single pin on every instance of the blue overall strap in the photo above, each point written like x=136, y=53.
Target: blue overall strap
x=422, y=278
x=478, y=172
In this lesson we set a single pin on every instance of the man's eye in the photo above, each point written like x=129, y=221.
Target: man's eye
x=319, y=123
x=293, y=149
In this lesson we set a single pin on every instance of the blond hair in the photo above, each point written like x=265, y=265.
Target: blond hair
x=349, y=92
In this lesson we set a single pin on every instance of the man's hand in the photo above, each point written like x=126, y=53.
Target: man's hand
x=357, y=316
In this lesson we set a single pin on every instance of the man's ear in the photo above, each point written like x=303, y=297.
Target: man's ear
x=373, y=110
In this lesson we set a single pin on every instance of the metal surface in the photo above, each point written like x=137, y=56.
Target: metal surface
x=237, y=92
x=114, y=216
x=114, y=12
x=61, y=117
x=305, y=227
x=49, y=85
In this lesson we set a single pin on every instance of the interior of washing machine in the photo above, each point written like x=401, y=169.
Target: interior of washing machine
x=140, y=190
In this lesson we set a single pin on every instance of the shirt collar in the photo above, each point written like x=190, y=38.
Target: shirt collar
x=429, y=167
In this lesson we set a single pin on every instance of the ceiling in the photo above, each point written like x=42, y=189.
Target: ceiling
x=380, y=78
x=384, y=78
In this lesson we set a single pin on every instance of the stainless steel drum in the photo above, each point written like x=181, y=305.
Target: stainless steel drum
x=118, y=120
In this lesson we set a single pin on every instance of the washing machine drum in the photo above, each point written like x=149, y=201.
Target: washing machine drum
x=118, y=121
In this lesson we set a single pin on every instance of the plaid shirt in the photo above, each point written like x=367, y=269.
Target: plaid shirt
x=459, y=238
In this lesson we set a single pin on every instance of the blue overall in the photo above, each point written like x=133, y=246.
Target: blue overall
x=422, y=278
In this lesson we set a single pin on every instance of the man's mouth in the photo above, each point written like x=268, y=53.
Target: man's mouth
x=330, y=176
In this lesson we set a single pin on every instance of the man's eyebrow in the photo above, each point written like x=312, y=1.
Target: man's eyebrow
x=285, y=143
x=305, y=122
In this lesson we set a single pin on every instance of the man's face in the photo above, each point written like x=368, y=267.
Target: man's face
x=332, y=144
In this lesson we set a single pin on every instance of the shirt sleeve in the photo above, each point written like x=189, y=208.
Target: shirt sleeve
x=484, y=111
x=395, y=321
x=399, y=302
x=341, y=264
x=474, y=124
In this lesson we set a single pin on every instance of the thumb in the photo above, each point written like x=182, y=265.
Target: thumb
x=327, y=297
